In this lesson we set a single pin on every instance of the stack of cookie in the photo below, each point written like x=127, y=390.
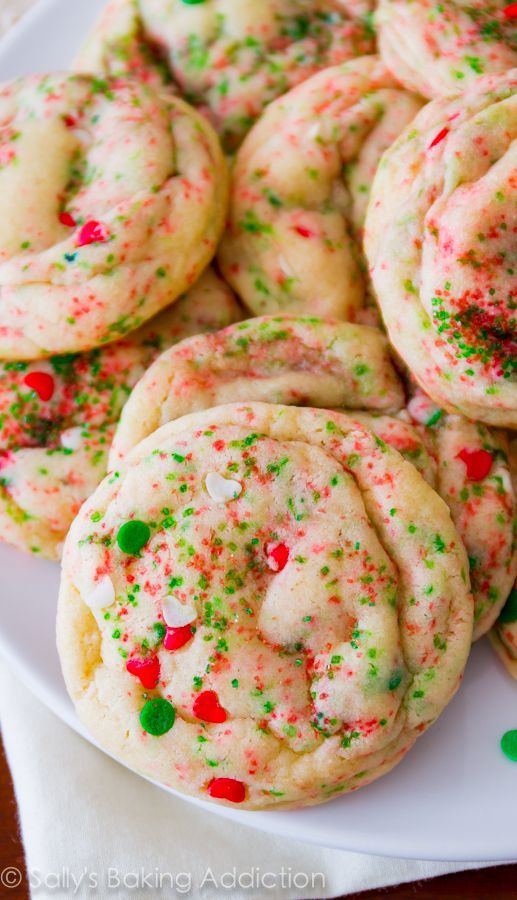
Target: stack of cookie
x=262, y=405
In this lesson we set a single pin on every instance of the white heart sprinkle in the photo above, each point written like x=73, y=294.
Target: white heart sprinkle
x=72, y=439
x=176, y=614
x=103, y=595
x=222, y=489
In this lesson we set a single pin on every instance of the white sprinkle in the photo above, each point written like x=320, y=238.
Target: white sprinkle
x=314, y=131
x=285, y=267
x=103, y=595
x=222, y=489
x=177, y=614
x=72, y=439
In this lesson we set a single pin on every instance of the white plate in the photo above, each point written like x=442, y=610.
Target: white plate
x=454, y=795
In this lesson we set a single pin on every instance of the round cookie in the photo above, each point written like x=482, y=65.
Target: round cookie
x=436, y=49
x=283, y=359
x=58, y=416
x=257, y=610
x=300, y=188
x=112, y=201
x=230, y=58
x=439, y=238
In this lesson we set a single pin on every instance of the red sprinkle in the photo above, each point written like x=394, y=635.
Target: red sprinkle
x=177, y=637
x=70, y=122
x=277, y=556
x=227, y=789
x=303, y=232
x=478, y=463
x=42, y=383
x=510, y=12
x=92, y=233
x=207, y=707
x=147, y=669
x=66, y=219
x=439, y=137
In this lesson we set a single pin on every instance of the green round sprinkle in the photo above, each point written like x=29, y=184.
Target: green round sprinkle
x=193, y=2
x=509, y=613
x=509, y=744
x=132, y=536
x=394, y=682
x=157, y=717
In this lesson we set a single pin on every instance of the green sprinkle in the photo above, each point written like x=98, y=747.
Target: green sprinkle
x=436, y=416
x=132, y=536
x=394, y=681
x=509, y=744
x=157, y=717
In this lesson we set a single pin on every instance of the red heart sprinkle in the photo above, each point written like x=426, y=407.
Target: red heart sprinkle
x=66, y=219
x=42, y=383
x=510, y=12
x=92, y=233
x=478, y=463
x=146, y=668
x=227, y=789
x=207, y=708
x=177, y=637
x=439, y=137
x=277, y=556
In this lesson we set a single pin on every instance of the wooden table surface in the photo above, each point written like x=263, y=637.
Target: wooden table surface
x=490, y=884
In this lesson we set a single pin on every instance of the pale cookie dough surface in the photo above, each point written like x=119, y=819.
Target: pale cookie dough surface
x=436, y=49
x=112, y=200
x=230, y=58
x=327, y=364
x=504, y=634
x=481, y=503
x=58, y=416
x=266, y=606
x=295, y=361
x=473, y=476
x=440, y=240
x=300, y=188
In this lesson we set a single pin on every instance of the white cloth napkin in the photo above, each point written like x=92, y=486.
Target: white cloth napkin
x=93, y=828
